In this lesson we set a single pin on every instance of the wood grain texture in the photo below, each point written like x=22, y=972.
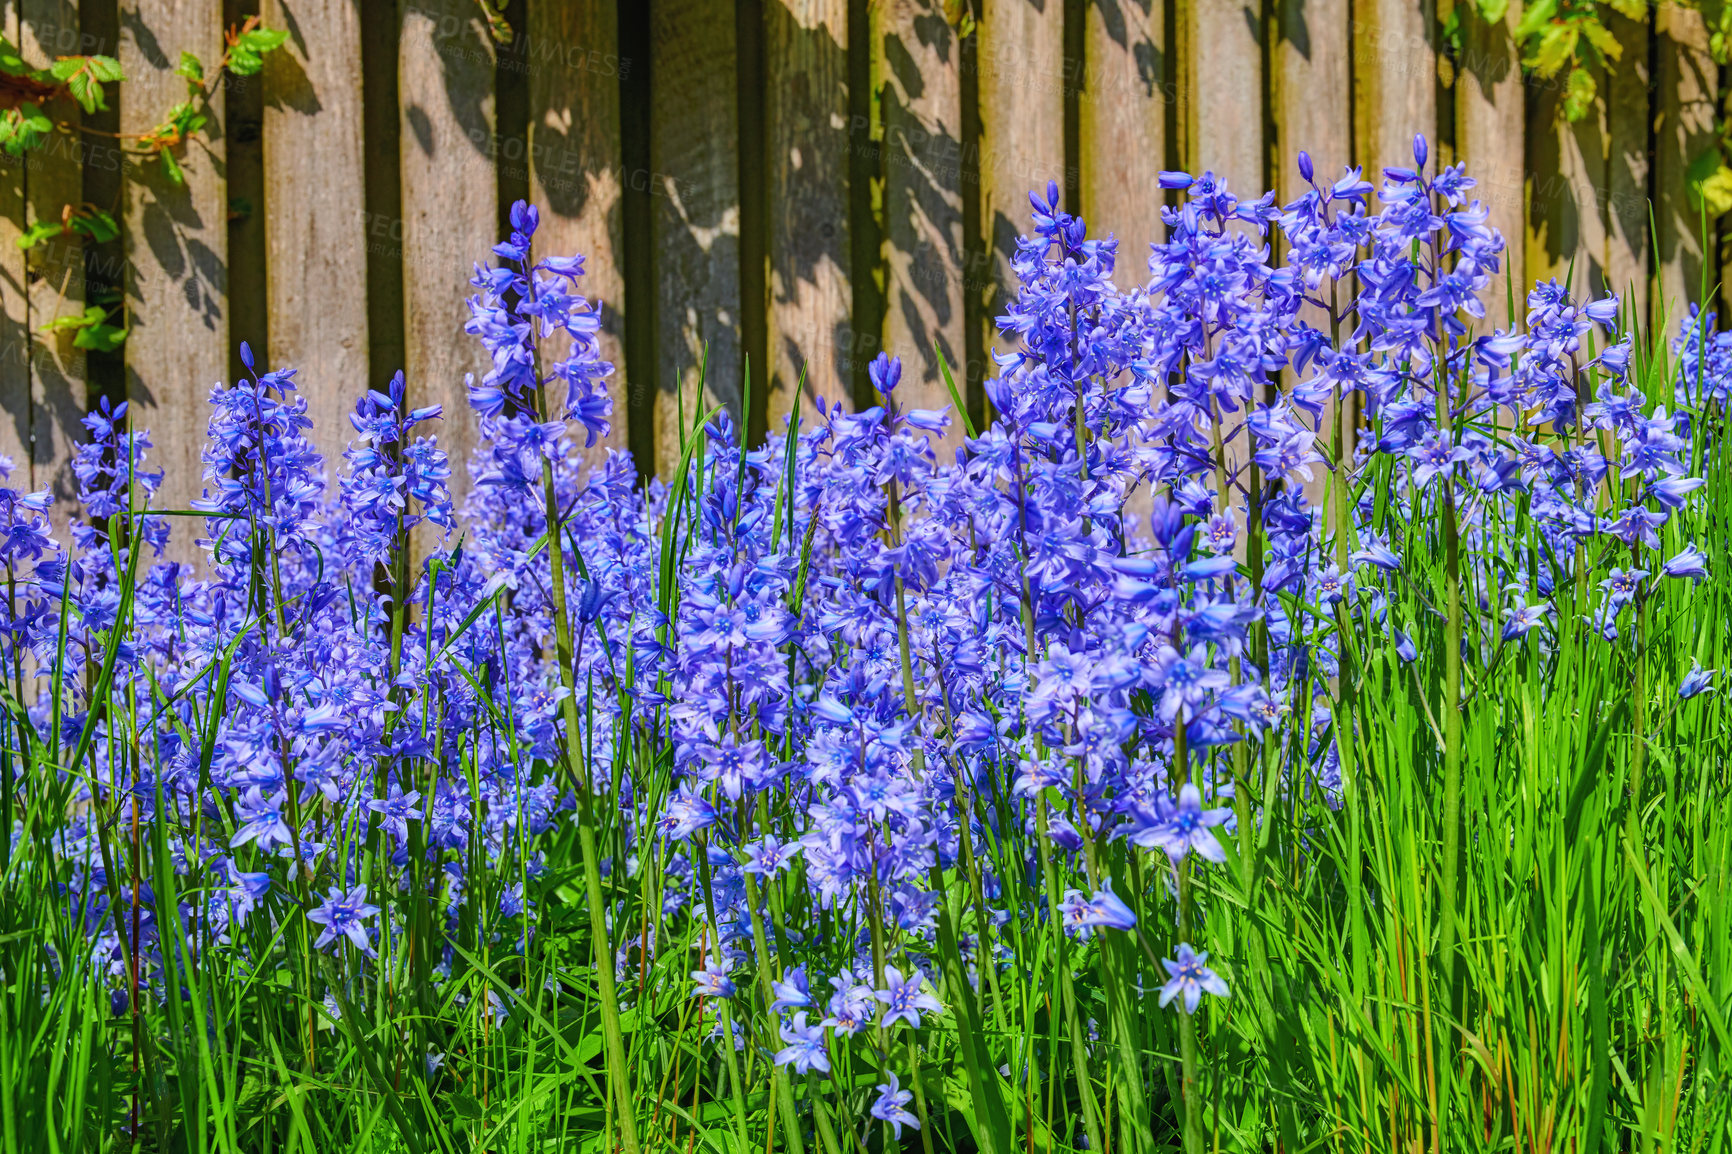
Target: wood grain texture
x=694, y=162
x=1394, y=80
x=1566, y=221
x=1127, y=84
x=1627, y=165
x=15, y=427
x=806, y=133
x=53, y=181
x=1224, y=92
x=1311, y=91
x=1684, y=131
x=176, y=245
x=315, y=213
x=450, y=206
x=1490, y=131
x=572, y=54
x=1022, y=81
x=916, y=59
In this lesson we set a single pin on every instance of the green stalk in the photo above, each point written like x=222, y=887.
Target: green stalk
x=1190, y=1089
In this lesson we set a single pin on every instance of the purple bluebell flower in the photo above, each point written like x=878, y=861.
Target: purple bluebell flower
x=905, y=999
x=342, y=915
x=1190, y=978
x=891, y=1105
x=806, y=1048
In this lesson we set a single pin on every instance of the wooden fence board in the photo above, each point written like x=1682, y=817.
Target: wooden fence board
x=1566, y=224
x=176, y=245
x=14, y=309
x=1627, y=164
x=1311, y=91
x=1127, y=79
x=807, y=146
x=572, y=54
x=315, y=213
x=916, y=59
x=1395, y=77
x=1490, y=130
x=1022, y=96
x=1224, y=66
x=54, y=181
x=1688, y=87
x=694, y=161
x=450, y=205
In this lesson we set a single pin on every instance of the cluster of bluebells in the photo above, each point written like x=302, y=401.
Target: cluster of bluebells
x=874, y=664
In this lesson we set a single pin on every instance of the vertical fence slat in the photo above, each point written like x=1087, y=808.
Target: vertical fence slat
x=176, y=244
x=917, y=62
x=1126, y=85
x=1224, y=117
x=1490, y=128
x=315, y=213
x=572, y=54
x=694, y=158
x=1022, y=75
x=54, y=181
x=1395, y=78
x=1627, y=163
x=1311, y=90
x=1566, y=222
x=450, y=205
x=1688, y=86
x=14, y=308
x=806, y=134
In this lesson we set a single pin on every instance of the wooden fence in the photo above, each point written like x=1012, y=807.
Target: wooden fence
x=797, y=182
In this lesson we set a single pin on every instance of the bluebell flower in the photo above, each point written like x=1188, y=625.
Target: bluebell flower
x=1190, y=978
x=806, y=1048
x=891, y=1105
x=905, y=999
x=342, y=915
x=1697, y=681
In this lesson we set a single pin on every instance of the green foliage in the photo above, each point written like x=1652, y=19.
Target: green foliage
x=92, y=328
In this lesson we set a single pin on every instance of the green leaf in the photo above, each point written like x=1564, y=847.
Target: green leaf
x=190, y=67
x=464, y=1105
x=42, y=230
x=100, y=338
x=262, y=40
x=243, y=62
x=96, y=224
x=1493, y=11
x=170, y=169
x=1534, y=18
x=11, y=62
x=93, y=315
x=1579, y=94
x=1602, y=39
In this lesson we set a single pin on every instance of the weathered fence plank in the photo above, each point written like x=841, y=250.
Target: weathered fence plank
x=1022, y=79
x=1627, y=164
x=1684, y=132
x=54, y=182
x=315, y=213
x=450, y=204
x=1126, y=87
x=14, y=309
x=806, y=133
x=694, y=158
x=1567, y=224
x=1224, y=66
x=572, y=54
x=1311, y=91
x=176, y=243
x=916, y=60
x=1490, y=130
x=1395, y=78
